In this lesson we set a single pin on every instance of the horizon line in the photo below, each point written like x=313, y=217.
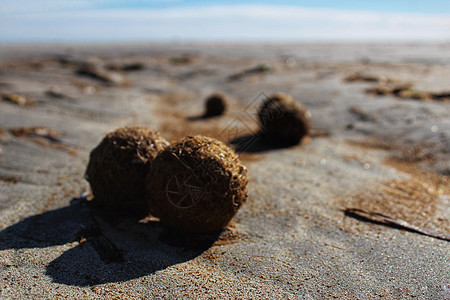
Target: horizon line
x=224, y=23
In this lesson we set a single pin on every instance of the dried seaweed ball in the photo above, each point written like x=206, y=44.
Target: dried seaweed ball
x=196, y=185
x=284, y=121
x=215, y=105
x=118, y=167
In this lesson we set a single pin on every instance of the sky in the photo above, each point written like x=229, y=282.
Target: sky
x=196, y=20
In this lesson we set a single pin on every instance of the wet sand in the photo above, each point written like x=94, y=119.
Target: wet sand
x=385, y=152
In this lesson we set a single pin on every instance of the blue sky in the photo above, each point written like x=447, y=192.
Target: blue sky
x=168, y=20
x=417, y=6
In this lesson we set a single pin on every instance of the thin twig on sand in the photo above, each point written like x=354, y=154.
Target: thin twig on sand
x=378, y=218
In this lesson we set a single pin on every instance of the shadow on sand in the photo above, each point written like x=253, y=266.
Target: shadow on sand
x=257, y=142
x=108, y=249
x=201, y=117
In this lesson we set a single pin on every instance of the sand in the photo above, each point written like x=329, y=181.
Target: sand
x=291, y=238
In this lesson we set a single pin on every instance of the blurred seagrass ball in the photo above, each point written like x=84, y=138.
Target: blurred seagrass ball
x=197, y=185
x=216, y=105
x=283, y=121
x=118, y=167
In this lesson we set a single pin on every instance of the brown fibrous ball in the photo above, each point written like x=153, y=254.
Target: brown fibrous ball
x=216, y=105
x=284, y=121
x=197, y=185
x=118, y=168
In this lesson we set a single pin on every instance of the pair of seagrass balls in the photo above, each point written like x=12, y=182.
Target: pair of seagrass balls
x=195, y=184
x=282, y=120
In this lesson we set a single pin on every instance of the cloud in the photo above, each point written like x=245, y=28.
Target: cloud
x=277, y=23
x=8, y=7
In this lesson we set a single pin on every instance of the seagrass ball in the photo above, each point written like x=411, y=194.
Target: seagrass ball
x=215, y=105
x=196, y=185
x=283, y=121
x=118, y=167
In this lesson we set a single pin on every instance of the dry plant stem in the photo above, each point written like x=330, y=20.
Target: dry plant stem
x=386, y=220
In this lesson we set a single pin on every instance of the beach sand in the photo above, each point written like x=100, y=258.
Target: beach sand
x=380, y=142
